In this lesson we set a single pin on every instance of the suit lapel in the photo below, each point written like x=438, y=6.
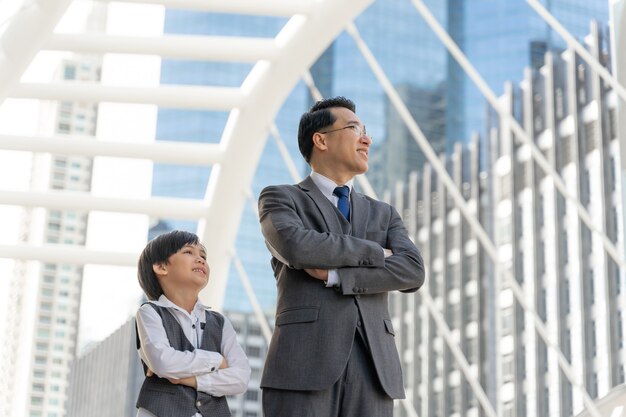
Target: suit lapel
x=329, y=213
x=359, y=214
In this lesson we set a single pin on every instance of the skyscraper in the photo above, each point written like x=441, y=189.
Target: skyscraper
x=410, y=53
x=567, y=276
x=44, y=299
x=501, y=38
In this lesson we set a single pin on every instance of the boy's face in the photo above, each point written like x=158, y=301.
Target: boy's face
x=187, y=268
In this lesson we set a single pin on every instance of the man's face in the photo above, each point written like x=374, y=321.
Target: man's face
x=348, y=145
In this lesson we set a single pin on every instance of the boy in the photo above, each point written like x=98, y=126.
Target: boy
x=190, y=354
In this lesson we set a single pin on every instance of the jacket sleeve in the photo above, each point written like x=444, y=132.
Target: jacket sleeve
x=294, y=245
x=403, y=271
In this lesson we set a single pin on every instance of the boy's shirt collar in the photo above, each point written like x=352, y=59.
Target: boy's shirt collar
x=198, y=308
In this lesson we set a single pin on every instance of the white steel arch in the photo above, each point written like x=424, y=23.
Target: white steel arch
x=300, y=42
x=278, y=65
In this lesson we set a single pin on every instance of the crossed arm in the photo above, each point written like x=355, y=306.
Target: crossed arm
x=215, y=373
x=360, y=263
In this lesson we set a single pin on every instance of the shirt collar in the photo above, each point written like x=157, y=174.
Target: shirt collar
x=198, y=308
x=326, y=185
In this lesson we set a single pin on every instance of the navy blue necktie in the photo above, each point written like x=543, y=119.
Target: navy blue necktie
x=344, y=203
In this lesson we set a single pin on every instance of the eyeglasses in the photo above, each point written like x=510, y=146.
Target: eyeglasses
x=358, y=131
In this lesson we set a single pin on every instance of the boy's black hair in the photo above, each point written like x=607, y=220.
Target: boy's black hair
x=319, y=116
x=158, y=251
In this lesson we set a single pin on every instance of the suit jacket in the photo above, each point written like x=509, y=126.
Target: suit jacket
x=315, y=325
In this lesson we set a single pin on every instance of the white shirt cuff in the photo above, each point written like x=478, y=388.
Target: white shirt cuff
x=333, y=278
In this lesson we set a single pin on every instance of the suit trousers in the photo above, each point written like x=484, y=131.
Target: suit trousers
x=357, y=393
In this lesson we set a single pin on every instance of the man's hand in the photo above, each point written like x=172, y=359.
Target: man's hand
x=189, y=381
x=387, y=252
x=321, y=274
x=224, y=364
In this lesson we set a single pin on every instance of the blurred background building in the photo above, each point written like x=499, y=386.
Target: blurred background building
x=567, y=276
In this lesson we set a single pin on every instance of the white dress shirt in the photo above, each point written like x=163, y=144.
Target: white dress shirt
x=327, y=186
x=167, y=362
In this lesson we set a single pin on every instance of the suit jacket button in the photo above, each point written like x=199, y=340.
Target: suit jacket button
x=355, y=289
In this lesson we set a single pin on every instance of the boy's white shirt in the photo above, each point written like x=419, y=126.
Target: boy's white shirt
x=167, y=362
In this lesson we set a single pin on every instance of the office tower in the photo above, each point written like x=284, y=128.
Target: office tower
x=406, y=48
x=416, y=64
x=399, y=155
x=566, y=275
x=501, y=38
x=106, y=379
x=44, y=298
x=251, y=339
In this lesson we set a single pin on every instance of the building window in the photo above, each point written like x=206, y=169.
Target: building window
x=508, y=409
x=69, y=73
x=252, y=395
x=612, y=124
x=253, y=351
x=590, y=139
x=254, y=330
x=508, y=367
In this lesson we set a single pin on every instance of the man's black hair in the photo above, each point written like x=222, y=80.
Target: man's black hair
x=158, y=251
x=318, y=117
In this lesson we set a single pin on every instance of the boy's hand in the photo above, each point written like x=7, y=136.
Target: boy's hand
x=224, y=364
x=189, y=381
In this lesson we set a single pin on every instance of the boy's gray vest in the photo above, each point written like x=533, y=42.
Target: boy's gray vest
x=164, y=399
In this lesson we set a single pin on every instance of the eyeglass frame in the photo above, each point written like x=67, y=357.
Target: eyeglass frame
x=362, y=131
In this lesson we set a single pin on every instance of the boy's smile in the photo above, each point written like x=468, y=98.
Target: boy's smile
x=186, y=268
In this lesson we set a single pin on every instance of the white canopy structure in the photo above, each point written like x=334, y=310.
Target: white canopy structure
x=278, y=64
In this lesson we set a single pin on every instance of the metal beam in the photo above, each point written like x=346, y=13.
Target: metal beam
x=177, y=96
x=499, y=270
x=580, y=50
x=166, y=152
x=176, y=208
x=301, y=41
x=252, y=7
x=202, y=48
x=519, y=132
x=22, y=39
x=67, y=254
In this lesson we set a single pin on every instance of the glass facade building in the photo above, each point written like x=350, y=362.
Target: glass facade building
x=391, y=31
x=500, y=38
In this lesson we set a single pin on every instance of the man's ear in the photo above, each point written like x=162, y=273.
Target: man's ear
x=160, y=268
x=319, y=141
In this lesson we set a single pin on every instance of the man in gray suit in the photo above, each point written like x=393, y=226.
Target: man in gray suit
x=336, y=254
